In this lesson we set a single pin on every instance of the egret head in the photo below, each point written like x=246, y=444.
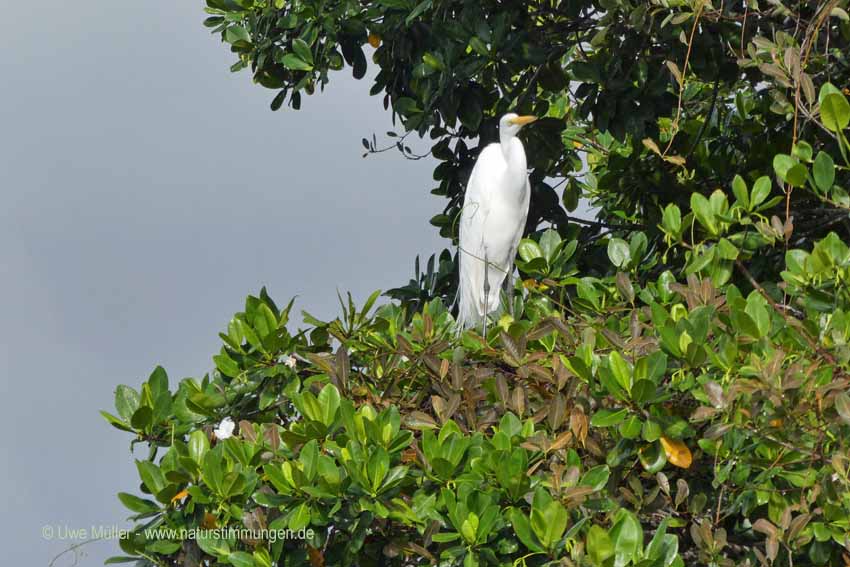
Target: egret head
x=511, y=123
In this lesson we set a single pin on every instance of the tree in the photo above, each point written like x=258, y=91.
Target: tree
x=672, y=386
x=661, y=99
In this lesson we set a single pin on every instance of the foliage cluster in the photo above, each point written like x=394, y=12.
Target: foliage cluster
x=669, y=385
x=643, y=102
x=612, y=420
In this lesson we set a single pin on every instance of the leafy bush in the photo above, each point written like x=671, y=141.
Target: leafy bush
x=611, y=421
x=670, y=384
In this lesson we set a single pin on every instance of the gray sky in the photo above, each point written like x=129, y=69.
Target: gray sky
x=147, y=191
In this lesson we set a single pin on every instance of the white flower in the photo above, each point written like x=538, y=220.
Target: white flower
x=291, y=361
x=225, y=429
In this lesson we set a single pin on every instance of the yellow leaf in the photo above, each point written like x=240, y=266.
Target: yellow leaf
x=650, y=144
x=677, y=452
x=179, y=496
x=374, y=40
x=577, y=144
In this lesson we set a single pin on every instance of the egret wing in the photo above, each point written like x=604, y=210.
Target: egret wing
x=477, y=206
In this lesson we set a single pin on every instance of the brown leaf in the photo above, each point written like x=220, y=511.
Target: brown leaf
x=663, y=483
x=518, y=401
x=444, y=368
x=316, y=557
x=765, y=526
x=578, y=423
x=562, y=441
x=674, y=69
x=272, y=436
x=420, y=420
x=624, y=286
x=714, y=391
x=343, y=366
x=682, y=491
x=557, y=412
x=246, y=429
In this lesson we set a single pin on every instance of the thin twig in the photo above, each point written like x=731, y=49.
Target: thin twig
x=684, y=72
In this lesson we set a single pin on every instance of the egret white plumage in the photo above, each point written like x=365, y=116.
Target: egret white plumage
x=492, y=220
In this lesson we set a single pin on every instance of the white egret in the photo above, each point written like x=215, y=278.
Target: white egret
x=492, y=220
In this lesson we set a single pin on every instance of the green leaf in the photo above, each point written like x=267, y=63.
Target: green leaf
x=618, y=252
x=378, y=466
x=825, y=90
x=142, y=418
x=599, y=545
x=631, y=427
x=294, y=63
x=302, y=50
x=744, y=323
x=158, y=382
x=739, y=189
x=549, y=524
x=802, y=150
x=241, y=559
x=434, y=61
x=212, y=471
x=672, y=219
x=797, y=175
x=199, y=444
x=608, y=417
x=824, y=171
x=835, y=112
x=329, y=401
x=522, y=528
x=761, y=191
x=211, y=545
x=782, y=163
x=117, y=423
x=138, y=505
x=622, y=370
x=151, y=476
x=627, y=536
x=703, y=212
x=300, y=517
x=126, y=401
x=236, y=33
x=596, y=478
x=529, y=250
x=758, y=310
x=549, y=242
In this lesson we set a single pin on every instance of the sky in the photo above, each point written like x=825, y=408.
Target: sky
x=146, y=191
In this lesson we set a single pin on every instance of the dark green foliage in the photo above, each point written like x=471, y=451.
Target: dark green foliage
x=661, y=99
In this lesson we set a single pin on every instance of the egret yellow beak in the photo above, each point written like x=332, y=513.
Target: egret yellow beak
x=523, y=120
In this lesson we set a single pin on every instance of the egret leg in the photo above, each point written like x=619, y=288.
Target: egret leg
x=509, y=291
x=486, y=293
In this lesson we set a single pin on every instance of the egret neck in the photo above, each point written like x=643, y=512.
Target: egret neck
x=515, y=161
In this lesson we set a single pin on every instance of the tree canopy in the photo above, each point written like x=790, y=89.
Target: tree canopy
x=669, y=388
x=657, y=100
